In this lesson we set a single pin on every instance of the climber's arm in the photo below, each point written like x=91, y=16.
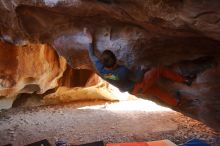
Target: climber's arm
x=95, y=61
x=92, y=55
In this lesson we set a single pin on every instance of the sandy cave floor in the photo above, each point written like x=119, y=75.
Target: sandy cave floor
x=78, y=123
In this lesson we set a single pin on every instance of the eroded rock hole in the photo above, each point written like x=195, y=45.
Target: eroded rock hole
x=44, y=61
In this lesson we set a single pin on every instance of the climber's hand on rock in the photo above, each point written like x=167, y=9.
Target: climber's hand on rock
x=88, y=34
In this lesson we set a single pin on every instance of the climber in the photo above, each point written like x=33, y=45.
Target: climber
x=140, y=82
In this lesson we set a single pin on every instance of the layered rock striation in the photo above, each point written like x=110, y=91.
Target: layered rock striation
x=184, y=35
x=33, y=68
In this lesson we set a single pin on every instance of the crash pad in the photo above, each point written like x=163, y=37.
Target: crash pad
x=98, y=143
x=152, y=143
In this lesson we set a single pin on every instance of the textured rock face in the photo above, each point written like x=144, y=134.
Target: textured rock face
x=36, y=68
x=170, y=32
x=28, y=69
x=78, y=85
x=77, y=78
x=134, y=27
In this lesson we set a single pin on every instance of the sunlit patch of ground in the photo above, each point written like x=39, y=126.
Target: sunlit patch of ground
x=132, y=105
x=84, y=122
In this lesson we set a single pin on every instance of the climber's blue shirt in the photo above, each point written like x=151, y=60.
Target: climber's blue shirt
x=119, y=76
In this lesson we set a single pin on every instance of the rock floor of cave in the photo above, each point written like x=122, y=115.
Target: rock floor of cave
x=84, y=122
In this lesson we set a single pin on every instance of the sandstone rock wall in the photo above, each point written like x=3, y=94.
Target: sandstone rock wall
x=28, y=72
x=34, y=68
x=77, y=78
x=143, y=32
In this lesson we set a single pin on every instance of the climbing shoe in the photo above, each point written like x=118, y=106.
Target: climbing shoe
x=189, y=79
x=178, y=97
x=188, y=82
x=181, y=101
